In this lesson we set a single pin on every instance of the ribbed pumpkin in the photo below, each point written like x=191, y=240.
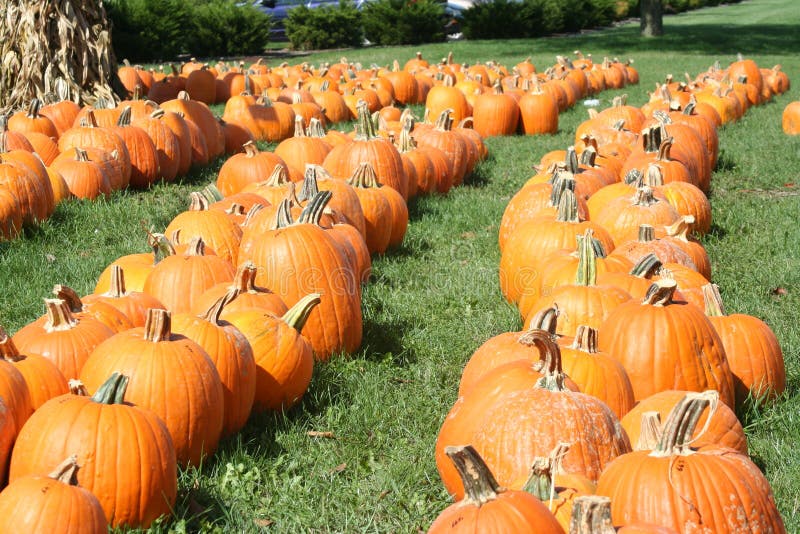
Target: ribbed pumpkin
x=665, y=344
x=231, y=354
x=537, y=237
x=790, y=120
x=84, y=178
x=597, y=373
x=623, y=216
x=453, y=145
x=343, y=200
x=24, y=176
x=686, y=489
x=717, y=426
x=107, y=314
x=133, y=304
x=125, y=453
x=159, y=363
x=45, y=147
x=137, y=266
x=591, y=514
x=62, y=338
x=177, y=280
x=91, y=135
x=166, y=143
x=284, y=359
x=251, y=167
x=754, y=354
x=486, y=506
x=41, y=375
x=538, y=112
x=31, y=121
x=301, y=150
x=582, y=302
x=368, y=146
x=10, y=210
x=666, y=251
x=335, y=325
x=247, y=296
x=375, y=206
x=53, y=503
x=145, y=169
x=445, y=96
x=212, y=226
x=529, y=423
x=495, y=113
x=201, y=115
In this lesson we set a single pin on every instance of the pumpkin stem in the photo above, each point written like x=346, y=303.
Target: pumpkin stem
x=680, y=229
x=541, y=482
x=113, y=390
x=587, y=261
x=589, y=157
x=81, y=154
x=585, y=339
x=364, y=176
x=310, y=187
x=65, y=471
x=117, y=285
x=250, y=149
x=213, y=313
x=647, y=233
x=650, y=432
x=70, y=296
x=364, y=125
x=713, y=300
x=405, y=142
x=568, y=207
x=546, y=320
x=314, y=209
x=124, y=117
x=664, y=149
x=644, y=197
x=654, y=176
x=59, y=316
x=562, y=181
x=571, y=160
x=444, y=122
x=245, y=279
x=76, y=387
x=283, y=217
x=681, y=424
x=160, y=245
x=299, y=126
x=591, y=514
x=8, y=351
x=297, y=316
x=550, y=355
x=33, y=108
x=197, y=201
x=158, y=325
x=647, y=266
x=278, y=178
x=480, y=486
x=660, y=292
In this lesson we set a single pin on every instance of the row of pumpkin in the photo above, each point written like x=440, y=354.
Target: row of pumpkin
x=620, y=385
x=92, y=151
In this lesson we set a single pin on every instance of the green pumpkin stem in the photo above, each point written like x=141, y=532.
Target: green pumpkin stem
x=541, y=482
x=589, y=156
x=158, y=325
x=568, y=207
x=297, y=316
x=650, y=431
x=480, y=486
x=213, y=313
x=65, y=471
x=681, y=424
x=562, y=180
x=310, y=187
x=635, y=178
x=364, y=176
x=587, y=261
x=647, y=266
x=550, y=356
x=591, y=514
x=660, y=292
x=314, y=209
x=571, y=160
x=112, y=391
x=59, y=316
x=124, y=117
x=365, y=126
x=647, y=233
x=713, y=301
x=283, y=217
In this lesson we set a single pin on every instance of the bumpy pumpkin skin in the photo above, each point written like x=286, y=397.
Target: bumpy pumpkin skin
x=39, y=503
x=135, y=483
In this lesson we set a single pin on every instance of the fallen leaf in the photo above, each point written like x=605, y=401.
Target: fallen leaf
x=263, y=522
x=779, y=291
x=50, y=258
x=338, y=469
x=318, y=434
x=468, y=235
x=401, y=380
x=383, y=494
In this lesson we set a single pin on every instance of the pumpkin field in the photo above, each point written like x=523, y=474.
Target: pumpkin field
x=352, y=445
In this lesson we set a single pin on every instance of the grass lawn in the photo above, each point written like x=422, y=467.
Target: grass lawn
x=433, y=301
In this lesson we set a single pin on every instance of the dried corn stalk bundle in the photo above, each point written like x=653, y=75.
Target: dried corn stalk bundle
x=54, y=46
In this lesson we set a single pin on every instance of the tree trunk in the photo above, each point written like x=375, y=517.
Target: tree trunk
x=651, y=19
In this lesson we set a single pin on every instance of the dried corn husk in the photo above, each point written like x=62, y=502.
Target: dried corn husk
x=52, y=47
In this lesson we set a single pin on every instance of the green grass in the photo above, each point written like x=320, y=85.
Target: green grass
x=433, y=301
